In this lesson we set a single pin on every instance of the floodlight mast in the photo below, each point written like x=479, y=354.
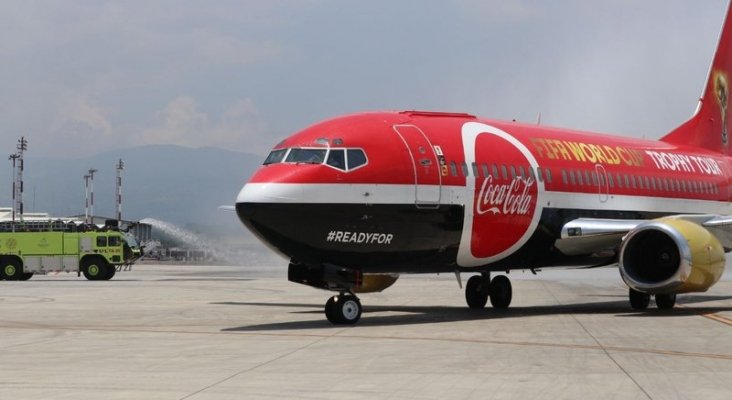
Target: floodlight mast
x=118, y=197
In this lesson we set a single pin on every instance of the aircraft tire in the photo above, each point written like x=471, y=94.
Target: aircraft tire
x=665, y=301
x=344, y=309
x=501, y=292
x=638, y=300
x=476, y=294
x=330, y=311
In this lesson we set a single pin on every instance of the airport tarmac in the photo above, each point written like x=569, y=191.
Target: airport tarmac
x=195, y=332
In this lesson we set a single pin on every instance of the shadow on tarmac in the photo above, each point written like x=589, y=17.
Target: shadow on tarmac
x=413, y=315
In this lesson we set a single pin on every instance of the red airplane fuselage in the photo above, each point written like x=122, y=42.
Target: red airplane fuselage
x=445, y=192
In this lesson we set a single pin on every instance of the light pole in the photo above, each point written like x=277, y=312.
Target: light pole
x=91, y=194
x=13, y=158
x=120, y=167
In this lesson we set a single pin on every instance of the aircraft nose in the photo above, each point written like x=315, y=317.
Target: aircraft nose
x=267, y=193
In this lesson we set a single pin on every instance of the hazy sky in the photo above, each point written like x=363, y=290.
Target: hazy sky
x=79, y=77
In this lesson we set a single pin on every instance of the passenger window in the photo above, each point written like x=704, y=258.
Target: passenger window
x=640, y=183
x=620, y=181
x=495, y=171
x=580, y=180
x=531, y=174
x=522, y=172
x=453, y=168
x=337, y=159
x=275, y=156
x=356, y=158
x=475, y=171
x=587, y=178
x=653, y=183
x=610, y=180
x=464, y=169
x=549, y=175
x=113, y=241
x=541, y=177
x=595, y=180
x=513, y=172
x=571, y=178
x=504, y=172
x=484, y=167
x=101, y=241
x=648, y=183
x=564, y=177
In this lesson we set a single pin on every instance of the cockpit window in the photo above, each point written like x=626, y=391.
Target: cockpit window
x=343, y=159
x=309, y=156
x=275, y=156
x=337, y=159
x=356, y=158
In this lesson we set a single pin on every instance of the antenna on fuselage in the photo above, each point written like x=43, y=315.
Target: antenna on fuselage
x=538, y=119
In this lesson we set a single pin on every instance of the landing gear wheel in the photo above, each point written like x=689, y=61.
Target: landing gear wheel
x=476, y=292
x=639, y=300
x=12, y=269
x=95, y=269
x=344, y=309
x=665, y=301
x=501, y=292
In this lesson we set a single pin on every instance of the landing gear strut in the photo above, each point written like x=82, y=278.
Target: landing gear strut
x=343, y=309
x=481, y=287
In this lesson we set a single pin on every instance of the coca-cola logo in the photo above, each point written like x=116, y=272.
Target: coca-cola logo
x=506, y=199
x=505, y=203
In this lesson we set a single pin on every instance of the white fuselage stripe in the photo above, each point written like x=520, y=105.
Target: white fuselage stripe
x=335, y=193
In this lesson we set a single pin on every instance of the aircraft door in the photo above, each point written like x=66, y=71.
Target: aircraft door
x=427, y=178
x=603, y=186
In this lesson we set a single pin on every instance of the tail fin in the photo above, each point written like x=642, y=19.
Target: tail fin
x=711, y=125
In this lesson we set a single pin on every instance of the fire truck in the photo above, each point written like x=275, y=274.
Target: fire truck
x=42, y=247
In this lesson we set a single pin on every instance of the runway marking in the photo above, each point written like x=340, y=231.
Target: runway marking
x=338, y=335
x=712, y=316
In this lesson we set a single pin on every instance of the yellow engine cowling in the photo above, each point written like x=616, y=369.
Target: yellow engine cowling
x=374, y=283
x=671, y=255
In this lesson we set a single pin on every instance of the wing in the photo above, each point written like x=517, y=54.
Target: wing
x=594, y=235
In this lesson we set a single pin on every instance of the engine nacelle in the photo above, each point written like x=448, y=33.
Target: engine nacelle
x=671, y=255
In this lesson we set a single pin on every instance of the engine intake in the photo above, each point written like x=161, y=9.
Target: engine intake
x=671, y=255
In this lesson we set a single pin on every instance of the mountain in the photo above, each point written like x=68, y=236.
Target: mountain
x=184, y=186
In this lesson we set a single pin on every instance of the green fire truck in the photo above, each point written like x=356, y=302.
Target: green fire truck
x=41, y=247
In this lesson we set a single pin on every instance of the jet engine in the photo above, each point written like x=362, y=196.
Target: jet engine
x=671, y=255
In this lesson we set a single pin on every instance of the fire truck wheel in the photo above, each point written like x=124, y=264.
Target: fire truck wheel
x=11, y=269
x=111, y=270
x=25, y=276
x=94, y=268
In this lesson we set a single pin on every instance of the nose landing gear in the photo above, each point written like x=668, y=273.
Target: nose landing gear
x=343, y=309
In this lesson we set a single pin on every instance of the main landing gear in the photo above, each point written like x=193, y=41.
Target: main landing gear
x=640, y=300
x=481, y=287
x=343, y=309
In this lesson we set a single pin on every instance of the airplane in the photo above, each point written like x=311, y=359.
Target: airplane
x=354, y=201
